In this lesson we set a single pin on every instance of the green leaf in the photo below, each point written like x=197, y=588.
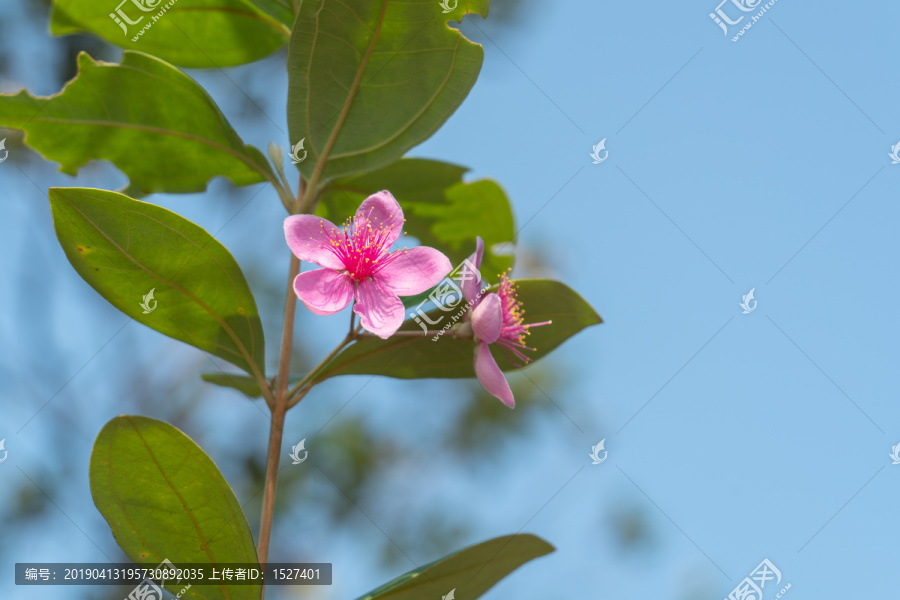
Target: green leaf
x=471, y=572
x=369, y=80
x=242, y=383
x=420, y=357
x=164, y=498
x=280, y=9
x=125, y=248
x=151, y=120
x=441, y=211
x=189, y=33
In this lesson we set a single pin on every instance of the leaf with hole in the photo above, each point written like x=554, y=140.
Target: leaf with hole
x=151, y=120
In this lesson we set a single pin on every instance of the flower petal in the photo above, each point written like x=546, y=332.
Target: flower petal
x=470, y=274
x=491, y=377
x=380, y=310
x=307, y=237
x=324, y=291
x=413, y=271
x=487, y=318
x=381, y=210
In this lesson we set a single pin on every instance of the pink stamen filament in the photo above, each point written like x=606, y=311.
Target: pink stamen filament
x=513, y=330
x=362, y=248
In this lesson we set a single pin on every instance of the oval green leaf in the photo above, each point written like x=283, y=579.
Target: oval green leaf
x=440, y=209
x=469, y=573
x=164, y=498
x=126, y=249
x=190, y=33
x=420, y=357
x=164, y=131
x=368, y=80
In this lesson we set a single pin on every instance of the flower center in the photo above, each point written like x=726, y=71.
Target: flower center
x=513, y=331
x=362, y=247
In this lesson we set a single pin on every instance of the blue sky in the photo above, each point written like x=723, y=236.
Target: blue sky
x=760, y=164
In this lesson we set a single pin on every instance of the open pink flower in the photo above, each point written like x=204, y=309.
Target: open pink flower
x=497, y=318
x=359, y=264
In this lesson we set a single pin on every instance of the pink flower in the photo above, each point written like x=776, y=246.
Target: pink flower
x=497, y=318
x=359, y=265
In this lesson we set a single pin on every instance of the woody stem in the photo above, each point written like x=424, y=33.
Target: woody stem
x=280, y=404
x=276, y=431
